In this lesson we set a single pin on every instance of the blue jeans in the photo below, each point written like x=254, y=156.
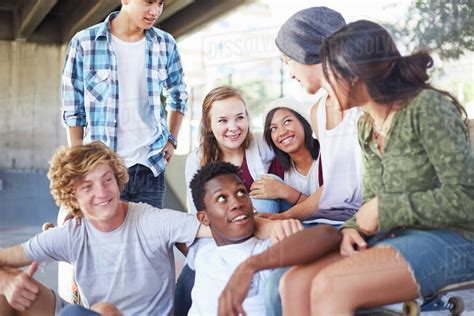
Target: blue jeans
x=144, y=187
x=266, y=205
x=272, y=293
x=182, y=295
x=437, y=257
x=285, y=205
x=76, y=310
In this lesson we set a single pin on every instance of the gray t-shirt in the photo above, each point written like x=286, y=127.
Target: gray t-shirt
x=131, y=267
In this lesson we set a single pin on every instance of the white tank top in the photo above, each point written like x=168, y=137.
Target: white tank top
x=341, y=164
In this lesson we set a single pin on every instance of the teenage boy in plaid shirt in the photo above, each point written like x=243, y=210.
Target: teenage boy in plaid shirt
x=112, y=80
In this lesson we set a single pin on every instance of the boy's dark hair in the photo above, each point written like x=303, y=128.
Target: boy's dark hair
x=204, y=175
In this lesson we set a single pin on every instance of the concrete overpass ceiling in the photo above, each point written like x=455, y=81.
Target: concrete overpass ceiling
x=197, y=14
x=56, y=21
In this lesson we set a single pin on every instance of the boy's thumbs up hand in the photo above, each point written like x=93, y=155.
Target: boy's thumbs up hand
x=21, y=290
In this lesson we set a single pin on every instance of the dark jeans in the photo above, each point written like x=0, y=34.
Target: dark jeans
x=182, y=296
x=77, y=310
x=144, y=187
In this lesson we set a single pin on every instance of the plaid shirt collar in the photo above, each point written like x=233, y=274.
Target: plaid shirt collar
x=105, y=31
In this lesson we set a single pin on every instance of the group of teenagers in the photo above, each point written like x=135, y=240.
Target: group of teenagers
x=362, y=199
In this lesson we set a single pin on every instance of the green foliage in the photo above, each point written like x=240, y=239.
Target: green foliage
x=467, y=89
x=442, y=27
x=258, y=93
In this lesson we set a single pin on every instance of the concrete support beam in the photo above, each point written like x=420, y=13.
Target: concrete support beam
x=30, y=16
x=8, y=4
x=91, y=12
x=53, y=21
x=173, y=6
x=6, y=25
x=197, y=14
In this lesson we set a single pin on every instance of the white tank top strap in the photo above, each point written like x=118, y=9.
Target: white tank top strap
x=321, y=96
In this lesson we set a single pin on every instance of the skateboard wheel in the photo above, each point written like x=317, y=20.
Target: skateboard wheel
x=411, y=308
x=456, y=305
x=47, y=226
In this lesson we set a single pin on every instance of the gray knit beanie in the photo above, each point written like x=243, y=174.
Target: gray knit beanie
x=302, y=35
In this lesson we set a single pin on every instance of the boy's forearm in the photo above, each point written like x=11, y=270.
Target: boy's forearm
x=175, y=119
x=14, y=257
x=75, y=135
x=301, y=248
x=5, y=277
x=11, y=259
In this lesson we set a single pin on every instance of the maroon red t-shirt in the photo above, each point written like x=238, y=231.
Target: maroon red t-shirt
x=244, y=172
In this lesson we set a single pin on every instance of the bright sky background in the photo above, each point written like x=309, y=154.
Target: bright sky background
x=271, y=14
x=376, y=10
x=266, y=16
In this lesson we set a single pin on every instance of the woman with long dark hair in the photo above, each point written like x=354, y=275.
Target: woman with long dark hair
x=414, y=232
x=287, y=131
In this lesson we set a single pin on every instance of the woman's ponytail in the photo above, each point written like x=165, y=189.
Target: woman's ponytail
x=413, y=68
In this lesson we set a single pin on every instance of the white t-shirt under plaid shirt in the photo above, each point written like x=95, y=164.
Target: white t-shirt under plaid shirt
x=90, y=86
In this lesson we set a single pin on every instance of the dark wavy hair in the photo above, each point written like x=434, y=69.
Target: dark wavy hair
x=364, y=50
x=310, y=143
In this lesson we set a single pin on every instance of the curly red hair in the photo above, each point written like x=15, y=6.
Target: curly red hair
x=70, y=165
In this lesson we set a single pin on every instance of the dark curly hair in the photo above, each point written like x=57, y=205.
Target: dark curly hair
x=204, y=175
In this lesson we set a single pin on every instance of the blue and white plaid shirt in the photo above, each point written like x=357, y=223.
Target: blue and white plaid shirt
x=90, y=87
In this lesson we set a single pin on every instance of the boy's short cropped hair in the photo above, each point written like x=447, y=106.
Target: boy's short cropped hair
x=70, y=165
x=204, y=175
